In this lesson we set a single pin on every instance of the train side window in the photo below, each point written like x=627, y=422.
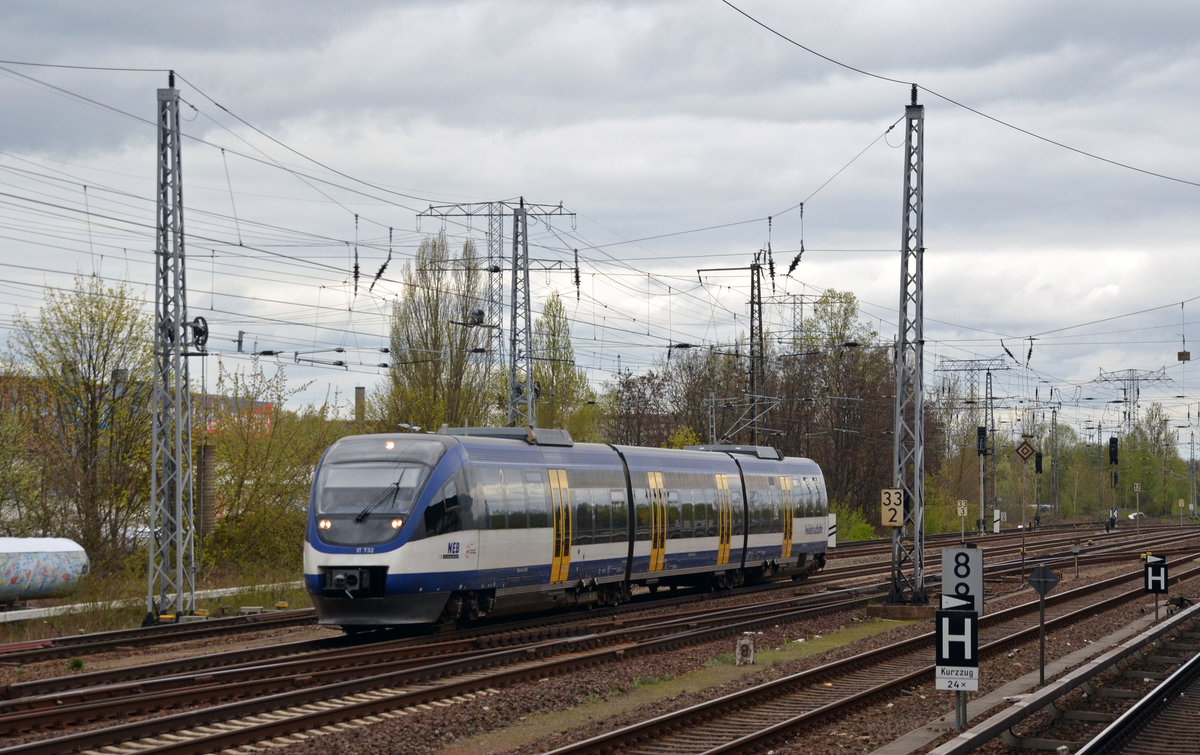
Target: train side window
x=603, y=511
x=583, y=528
x=538, y=498
x=443, y=514
x=620, y=515
x=514, y=499
x=736, y=494
x=709, y=509
x=641, y=513
x=490, y=502
x=753, y=506
x=686, y=515
x=673, y=526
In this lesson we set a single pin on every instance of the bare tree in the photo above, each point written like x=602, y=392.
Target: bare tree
x=88, y=357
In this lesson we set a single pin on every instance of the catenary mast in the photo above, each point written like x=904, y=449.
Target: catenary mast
x=171, y=586
x=908, y=541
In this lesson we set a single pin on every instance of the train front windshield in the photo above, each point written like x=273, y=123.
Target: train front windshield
x=366, y=488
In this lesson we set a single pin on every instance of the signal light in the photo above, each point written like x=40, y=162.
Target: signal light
x=1112, y=450
x=981, y=441
x=1037, y=462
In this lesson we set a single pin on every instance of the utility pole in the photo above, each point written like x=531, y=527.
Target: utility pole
x=171, y=585
x=521, y=390
x=972, y=368
x=990, y=423
x=1130, y=381
x=757, y=347
x=756, y=372
x=908, y=541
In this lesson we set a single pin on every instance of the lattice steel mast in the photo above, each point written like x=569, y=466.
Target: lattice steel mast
x=908, y=541
x=521, y=398
x=171, y=586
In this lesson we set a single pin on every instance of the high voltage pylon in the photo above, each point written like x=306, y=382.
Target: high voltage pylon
x=972, y=368
x=756, y=371
x=171, y=585
x=1131, y=381
x=522, y=393
x=908, y=440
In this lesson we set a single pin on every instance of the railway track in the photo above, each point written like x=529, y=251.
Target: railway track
x=356, y=682
x=36, y=651
x=346, y=682
x=754, y=719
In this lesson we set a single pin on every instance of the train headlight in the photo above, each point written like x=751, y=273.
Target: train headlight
x=389, y=445
x=397, y=523
x=324, y=524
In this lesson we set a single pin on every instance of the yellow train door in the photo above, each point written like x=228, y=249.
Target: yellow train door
x=724, y=518
x=789, y=512
x=560, y=502
x=658, y=521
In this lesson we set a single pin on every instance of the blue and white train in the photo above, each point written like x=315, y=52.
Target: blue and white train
x=424, y=529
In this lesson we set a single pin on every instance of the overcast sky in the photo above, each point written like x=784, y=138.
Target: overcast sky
x=1062, y=170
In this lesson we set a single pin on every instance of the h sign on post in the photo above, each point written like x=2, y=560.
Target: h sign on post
x=957, y=650
x=1156, y=575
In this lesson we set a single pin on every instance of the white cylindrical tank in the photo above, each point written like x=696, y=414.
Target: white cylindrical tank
x=40, y=567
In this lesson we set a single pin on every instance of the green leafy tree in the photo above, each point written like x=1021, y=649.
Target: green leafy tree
x=565, y=398
x=264, y=456
x=88, y=357
x=683, y=437
x=18, y=472
x=437, y=373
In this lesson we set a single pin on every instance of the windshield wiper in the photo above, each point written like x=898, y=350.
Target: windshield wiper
x=391, y=493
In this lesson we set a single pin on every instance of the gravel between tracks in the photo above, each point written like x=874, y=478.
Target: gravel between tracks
x=462, y=728
x=634, y=689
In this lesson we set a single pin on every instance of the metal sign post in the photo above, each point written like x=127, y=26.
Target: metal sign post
x=1042, y=580
x=957, y=637
x=962, y=596
x=1156, y=578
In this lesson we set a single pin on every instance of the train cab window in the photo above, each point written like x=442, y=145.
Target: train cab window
x=373, y=487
